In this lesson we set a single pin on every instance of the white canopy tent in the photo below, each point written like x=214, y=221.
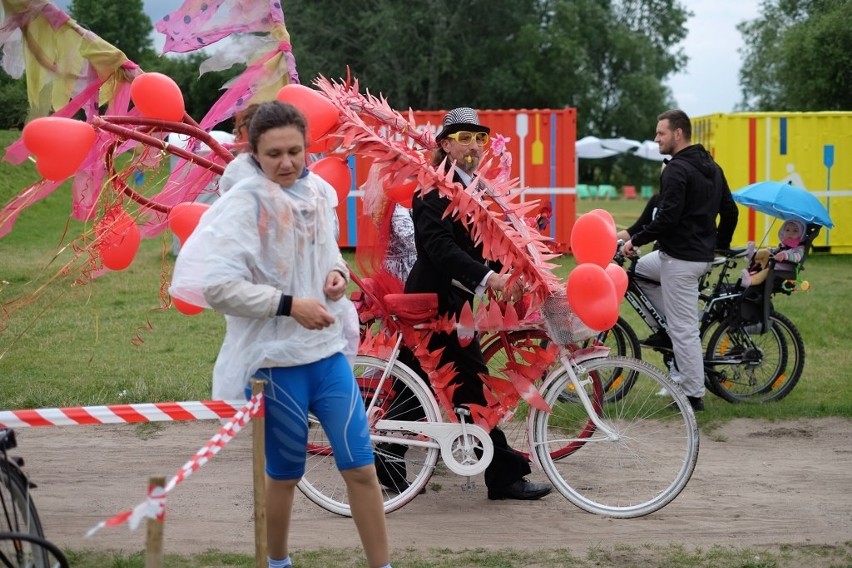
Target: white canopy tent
x=593, y=148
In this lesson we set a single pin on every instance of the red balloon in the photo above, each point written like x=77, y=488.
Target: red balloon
x=320, y=113
x=336, y=172
x=157, y=96
x=591, y=295
x=402, y=193
x=119, y=239
x=605, y=215
x=619, y=279
x=593, y=240
x=186, y=307
x=184, y=217
x=324, y=145
x=59, y=145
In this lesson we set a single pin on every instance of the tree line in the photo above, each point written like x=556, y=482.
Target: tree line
x=609, y=59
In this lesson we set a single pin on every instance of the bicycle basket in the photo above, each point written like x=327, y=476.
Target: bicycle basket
x=562, y=324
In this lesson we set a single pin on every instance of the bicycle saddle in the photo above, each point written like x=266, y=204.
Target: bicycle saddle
x=412, y=309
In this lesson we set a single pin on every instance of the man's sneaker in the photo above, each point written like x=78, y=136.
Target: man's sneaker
x=658, y=340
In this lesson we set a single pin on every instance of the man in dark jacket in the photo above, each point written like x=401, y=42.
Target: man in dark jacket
x=452, y=265
x=693, y=192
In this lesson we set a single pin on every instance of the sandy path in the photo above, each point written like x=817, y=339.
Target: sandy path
x=756, y=482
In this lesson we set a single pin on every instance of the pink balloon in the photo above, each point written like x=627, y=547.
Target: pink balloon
x=605, y=215
x=336, y=172
x=58, y=144
x=186, y=307
x=157, y=96
x=619, y=279
x=119, y=239
x=593, y=240
x=591, y=295
x=402, y=193
x=319, y=111
x=184, y=217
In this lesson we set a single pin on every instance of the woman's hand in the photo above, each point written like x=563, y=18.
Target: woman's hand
x=335, y=285
x=310, y=313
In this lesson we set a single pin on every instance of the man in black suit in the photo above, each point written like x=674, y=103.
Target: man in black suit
x=450, y=264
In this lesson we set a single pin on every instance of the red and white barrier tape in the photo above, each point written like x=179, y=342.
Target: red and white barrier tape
x=155, y=505
x=120, y=413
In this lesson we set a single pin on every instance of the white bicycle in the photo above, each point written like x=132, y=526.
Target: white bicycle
x=621, y=458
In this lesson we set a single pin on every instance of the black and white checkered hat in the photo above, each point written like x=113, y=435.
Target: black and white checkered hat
x=458, y=119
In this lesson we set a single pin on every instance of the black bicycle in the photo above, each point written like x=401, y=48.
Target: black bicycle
x=23, y=550
x=18, y=511
x=752, y=353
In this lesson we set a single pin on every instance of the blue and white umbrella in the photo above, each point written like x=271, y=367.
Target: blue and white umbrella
x=784, y=201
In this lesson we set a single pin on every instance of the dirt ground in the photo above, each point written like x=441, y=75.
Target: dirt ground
x=757, y=483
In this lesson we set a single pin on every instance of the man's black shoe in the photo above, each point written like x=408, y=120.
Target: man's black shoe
x=658, y=340
x=522, y=489
x=696, y=402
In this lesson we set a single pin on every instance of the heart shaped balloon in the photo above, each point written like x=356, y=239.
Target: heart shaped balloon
x=593, y=240
x=320, y=113
x=59, y=145
x=591, y=295
x=402, y=193
x=119, y=239
x=336, y=172
x=186, y=307
x=157, y=96
x=619, y=279
x=184, y=217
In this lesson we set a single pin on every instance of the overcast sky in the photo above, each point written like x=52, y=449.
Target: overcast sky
x=710, y=82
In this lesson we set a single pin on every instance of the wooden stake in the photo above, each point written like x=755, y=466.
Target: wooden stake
x=259, y=476
x=154, y=537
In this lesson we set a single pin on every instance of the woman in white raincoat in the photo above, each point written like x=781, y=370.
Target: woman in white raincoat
x=266, y=255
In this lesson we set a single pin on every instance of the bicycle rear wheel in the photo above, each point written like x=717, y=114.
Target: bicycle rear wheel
x=403, y=466
x=22, y=550
x=638, y=469
x=497, y=352
x=17, y=511
x=752, y=367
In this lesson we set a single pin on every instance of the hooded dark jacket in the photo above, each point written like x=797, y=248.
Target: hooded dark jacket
x=693, y=192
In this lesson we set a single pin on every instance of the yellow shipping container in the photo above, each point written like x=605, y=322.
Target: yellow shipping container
x=813, y=150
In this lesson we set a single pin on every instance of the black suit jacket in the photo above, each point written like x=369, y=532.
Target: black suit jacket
x=445, y=251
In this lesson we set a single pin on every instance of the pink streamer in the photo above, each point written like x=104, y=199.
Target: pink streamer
x=199, y=23
x=36, y=192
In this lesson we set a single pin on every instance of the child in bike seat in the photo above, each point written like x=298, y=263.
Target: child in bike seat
x=791, y=249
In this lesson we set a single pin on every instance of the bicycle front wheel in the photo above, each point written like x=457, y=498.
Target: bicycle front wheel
x=404, y=463
x=23, y=550
x=638, y=461
x=16, y=505
x=621, y=340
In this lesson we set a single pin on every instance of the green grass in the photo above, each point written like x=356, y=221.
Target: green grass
x=110, y=341
x=617, y=556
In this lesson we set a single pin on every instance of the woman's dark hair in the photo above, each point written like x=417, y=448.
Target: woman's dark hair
x=275, y=114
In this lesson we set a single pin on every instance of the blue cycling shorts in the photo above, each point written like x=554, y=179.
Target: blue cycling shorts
x=326, y=388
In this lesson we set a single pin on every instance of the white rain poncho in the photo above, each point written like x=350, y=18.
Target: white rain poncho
x=257, y=241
